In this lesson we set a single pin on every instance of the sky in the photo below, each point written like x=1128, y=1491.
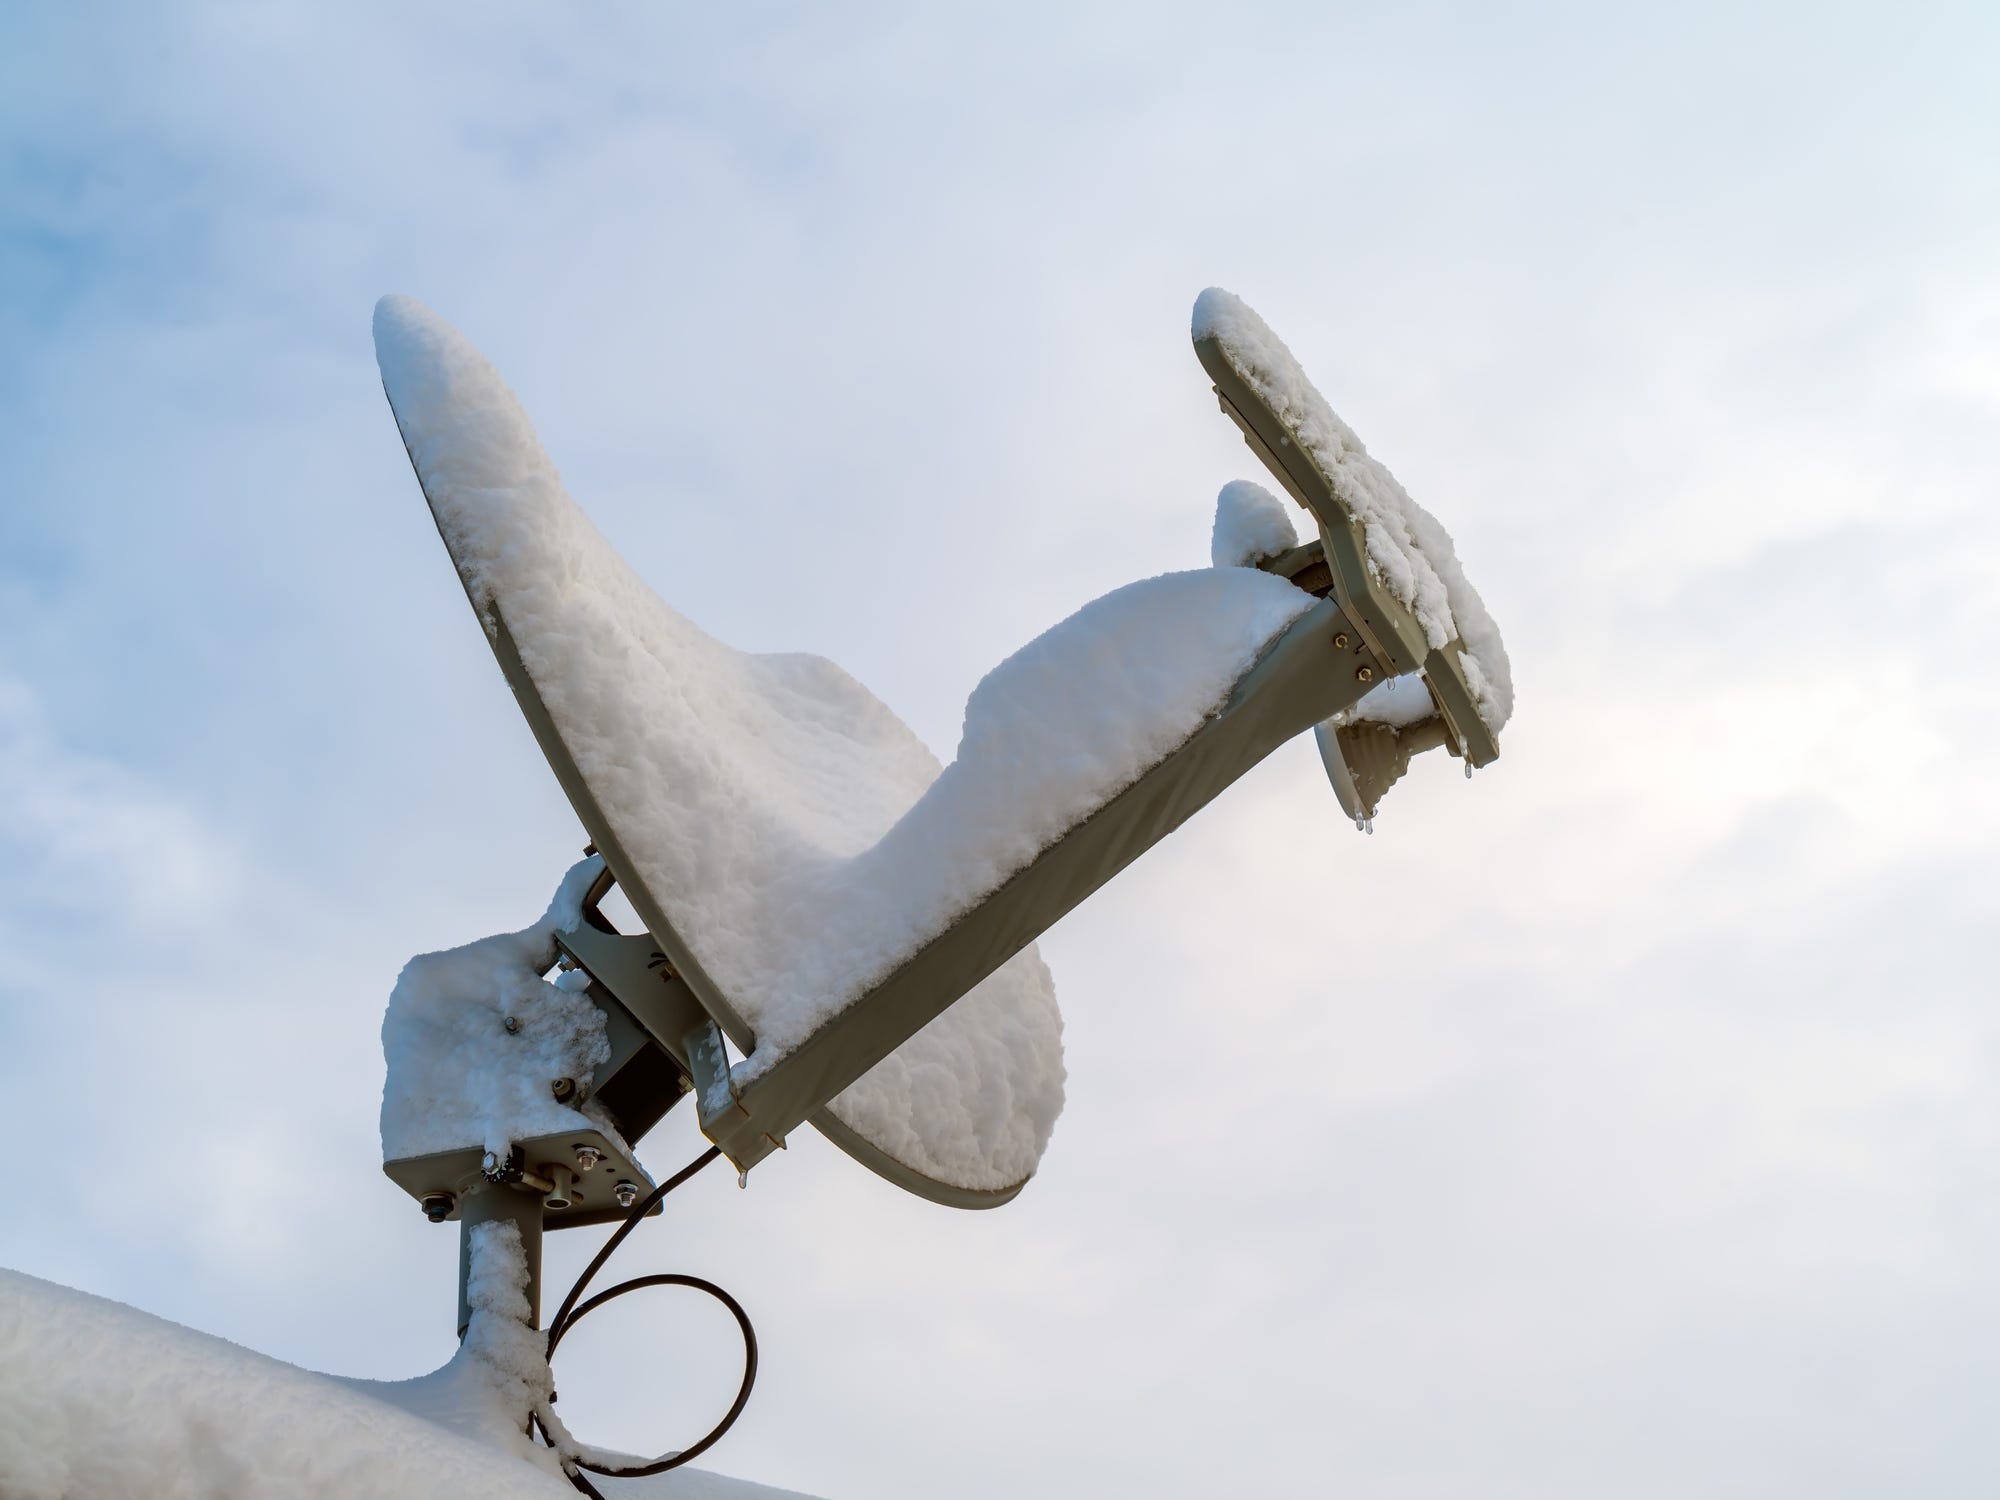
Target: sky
x=1622, y=1121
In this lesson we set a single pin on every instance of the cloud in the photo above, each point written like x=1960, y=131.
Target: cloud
x=80, y=834
x=1615, y=1121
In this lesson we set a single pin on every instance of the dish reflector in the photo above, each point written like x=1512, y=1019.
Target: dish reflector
x=729, y=792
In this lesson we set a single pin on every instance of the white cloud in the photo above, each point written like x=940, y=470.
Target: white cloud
x=81, y=835
x=1614, y=1122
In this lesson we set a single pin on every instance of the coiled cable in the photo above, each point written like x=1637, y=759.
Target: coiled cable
x=573, y=1309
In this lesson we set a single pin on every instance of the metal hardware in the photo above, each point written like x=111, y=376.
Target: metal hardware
x=558, y=1195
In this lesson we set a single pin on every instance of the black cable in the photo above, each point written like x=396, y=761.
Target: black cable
x=570, y=1313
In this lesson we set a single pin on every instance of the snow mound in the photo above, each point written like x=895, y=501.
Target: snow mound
x=1411, y=553
x=801, y=839
x=99, y=1401
x=1251, y=524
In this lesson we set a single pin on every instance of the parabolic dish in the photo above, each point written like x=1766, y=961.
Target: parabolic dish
x=734, y=795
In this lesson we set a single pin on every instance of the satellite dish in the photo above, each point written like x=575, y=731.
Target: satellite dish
x=721, y=788
x=857, y=921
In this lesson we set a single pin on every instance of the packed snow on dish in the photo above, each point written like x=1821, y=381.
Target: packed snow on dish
x=99, y=1401
x=1410, y=552
x=800, y=837
x=1252, y=525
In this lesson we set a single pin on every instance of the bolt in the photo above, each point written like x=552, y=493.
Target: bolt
x=587, y=1158
x=438, y=1206
x=513, y=1025
x=627, y=1194
x=490, y=1167
x=1366, y=674
x=562, y=1088
x=1340, y=641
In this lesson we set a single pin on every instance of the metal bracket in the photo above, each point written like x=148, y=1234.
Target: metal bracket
x=642, y=979
x=445, y=1181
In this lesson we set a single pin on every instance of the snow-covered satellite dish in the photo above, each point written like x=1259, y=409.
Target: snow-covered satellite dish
x=858, y=921
x=741, y=801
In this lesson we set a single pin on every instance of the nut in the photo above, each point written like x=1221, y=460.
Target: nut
x=627, y=1194
x=438, y=1206
x=1365, y=674
x=1340, y=641
x=587, y=1158
x=562, y=1088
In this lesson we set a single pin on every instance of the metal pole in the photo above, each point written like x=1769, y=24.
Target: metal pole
x=484, y=1205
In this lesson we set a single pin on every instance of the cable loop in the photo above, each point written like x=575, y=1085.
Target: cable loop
x=571, y=1312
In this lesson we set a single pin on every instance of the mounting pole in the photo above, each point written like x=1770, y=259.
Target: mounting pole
x=485, y=1204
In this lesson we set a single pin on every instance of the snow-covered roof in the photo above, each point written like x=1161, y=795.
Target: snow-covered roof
x=99, y=1401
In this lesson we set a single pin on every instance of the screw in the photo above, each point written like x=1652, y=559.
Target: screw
x=1340, y=641
x=513, y=1025
x=587, y=1158
x=1366, y=674
x=626, y=1193
x=562, y=1088
x=438, y=1206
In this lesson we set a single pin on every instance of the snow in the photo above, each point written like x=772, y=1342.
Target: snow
x=1410, y=552
x=199, y=1416
x=457, y=1076
x=1399, y=703
x=802, y=840
x=1251, y=524
x=500, y=1373
x=99, y=1401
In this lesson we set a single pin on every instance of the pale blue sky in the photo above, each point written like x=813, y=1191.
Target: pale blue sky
x=1621, y=1123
